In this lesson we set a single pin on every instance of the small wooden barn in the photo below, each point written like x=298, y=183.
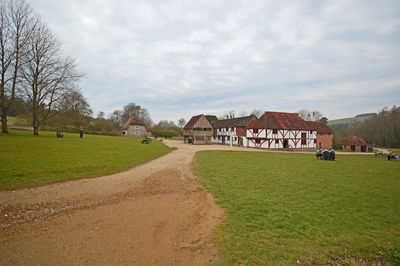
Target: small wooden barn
x=355, y=144
x=135, y=127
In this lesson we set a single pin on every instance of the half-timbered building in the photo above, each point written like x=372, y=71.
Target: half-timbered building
x=199, y=129
x=276, y=130
x=233, y=129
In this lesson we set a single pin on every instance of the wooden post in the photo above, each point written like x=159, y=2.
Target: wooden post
x=230, y=140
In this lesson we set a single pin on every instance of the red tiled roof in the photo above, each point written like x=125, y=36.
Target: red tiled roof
x=211, y=118
x=354, y=141
x=320, y=127
x=192, y=121
x=278, y=120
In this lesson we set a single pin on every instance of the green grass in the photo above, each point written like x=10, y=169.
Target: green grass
x=27, y=160
x=349, y=121
x=16, y=121
x=292, y=208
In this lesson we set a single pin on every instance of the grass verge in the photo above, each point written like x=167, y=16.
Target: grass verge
x=292, y=208
x=27, y=160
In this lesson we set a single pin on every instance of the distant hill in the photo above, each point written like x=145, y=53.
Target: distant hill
x=351, y=121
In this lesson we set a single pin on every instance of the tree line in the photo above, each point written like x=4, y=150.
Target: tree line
x=382, y=130
x=38, y=81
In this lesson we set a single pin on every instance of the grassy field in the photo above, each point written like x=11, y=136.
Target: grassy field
x=27, y=160
x=17, y=121
x=349, y=121
x=292, y=208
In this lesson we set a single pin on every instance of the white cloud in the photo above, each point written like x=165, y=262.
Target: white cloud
x=179, y=58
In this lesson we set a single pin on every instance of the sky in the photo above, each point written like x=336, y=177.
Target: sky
x=182, y=58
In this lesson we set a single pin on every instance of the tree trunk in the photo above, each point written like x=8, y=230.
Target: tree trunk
x=35, y=121
x=4, y=128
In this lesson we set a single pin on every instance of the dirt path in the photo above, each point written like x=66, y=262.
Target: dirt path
x=153, y=214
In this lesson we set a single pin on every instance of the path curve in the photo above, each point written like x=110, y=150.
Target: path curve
x=152, y=214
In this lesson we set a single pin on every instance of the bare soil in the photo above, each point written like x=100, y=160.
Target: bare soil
x=153, y=214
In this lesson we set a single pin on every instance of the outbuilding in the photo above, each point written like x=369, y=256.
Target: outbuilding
x=355, y=144
x=135, y=127
x=324, y=134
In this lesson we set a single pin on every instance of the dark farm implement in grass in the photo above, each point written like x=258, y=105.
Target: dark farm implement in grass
x=325, y=155
x=146, y=141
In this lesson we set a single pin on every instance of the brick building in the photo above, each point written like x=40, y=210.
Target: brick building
x=355, y=144
x=324, y=134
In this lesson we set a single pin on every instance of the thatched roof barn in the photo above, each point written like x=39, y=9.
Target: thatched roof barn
x=135, y=127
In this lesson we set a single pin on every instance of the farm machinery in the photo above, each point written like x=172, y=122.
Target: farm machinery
x=325, y=155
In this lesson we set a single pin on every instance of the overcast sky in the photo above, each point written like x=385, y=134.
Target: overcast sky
x=182, y=58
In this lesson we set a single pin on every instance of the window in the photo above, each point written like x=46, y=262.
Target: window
x=315, y=141
x=258, y=141
x=255, y=130
x=137, y=127
x=274, y=131
x=227, y=129
x=136, y=133
x=227, y=138
x=277, y=141
x=233, y=129
x=310, y=131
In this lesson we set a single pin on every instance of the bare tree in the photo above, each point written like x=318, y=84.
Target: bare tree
x=133, y=109
x=73, y=102
x=72, y=110
x=228, y=115
x=257, y=112
x=309, y=115
x=16, y=23
x=181, y=122
x=116, y=118
x=101, y=115
x=303, y=113
x=46, y=74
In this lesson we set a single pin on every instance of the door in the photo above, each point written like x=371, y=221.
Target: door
x=285, y=143
x=363, y=148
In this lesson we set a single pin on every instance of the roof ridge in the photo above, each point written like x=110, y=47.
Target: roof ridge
x=281, y=112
